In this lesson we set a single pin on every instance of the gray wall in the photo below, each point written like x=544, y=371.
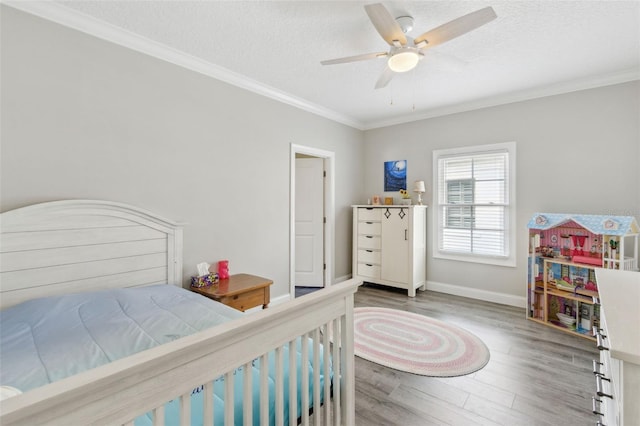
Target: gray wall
x=84, y=118
x=576, y=153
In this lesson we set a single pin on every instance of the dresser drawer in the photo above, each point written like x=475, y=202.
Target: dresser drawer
x=368, y=242
x=369, y=228
x=365, y=213
x=369, y=256
x=368, y=270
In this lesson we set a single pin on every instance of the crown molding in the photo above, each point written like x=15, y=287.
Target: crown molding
x=551, y=90
x=71, y=18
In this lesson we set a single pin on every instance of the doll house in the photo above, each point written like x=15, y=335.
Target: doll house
x=564, y=251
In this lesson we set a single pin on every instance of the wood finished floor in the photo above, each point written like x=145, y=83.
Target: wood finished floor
x=536, y=375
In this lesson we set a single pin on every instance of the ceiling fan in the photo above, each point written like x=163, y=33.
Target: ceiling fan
x=405, y=53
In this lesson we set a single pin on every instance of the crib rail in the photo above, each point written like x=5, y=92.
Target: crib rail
x=119, y=392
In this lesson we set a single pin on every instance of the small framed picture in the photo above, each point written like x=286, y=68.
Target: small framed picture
x=376, y=200
x=388, y=201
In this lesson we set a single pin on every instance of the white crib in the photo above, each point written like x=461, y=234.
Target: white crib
x=46, y=249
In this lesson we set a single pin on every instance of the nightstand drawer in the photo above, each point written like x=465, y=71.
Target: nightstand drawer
x=369, y=228
x=247, y=300
x=365, y=213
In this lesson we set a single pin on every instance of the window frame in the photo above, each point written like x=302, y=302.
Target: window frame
x=510, y=205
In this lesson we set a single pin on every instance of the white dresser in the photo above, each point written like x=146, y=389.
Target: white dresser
x=617, y=372
x=389, y=245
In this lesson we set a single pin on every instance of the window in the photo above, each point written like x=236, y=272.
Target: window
x=474, y=204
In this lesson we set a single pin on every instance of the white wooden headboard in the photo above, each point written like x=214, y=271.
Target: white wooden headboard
x=78, y=245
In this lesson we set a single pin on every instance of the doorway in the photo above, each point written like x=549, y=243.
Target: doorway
x=311, y=219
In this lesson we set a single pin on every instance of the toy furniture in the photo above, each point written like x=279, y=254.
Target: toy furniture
x=564, y=252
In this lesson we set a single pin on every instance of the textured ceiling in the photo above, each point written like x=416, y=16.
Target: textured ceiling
x=533, y=48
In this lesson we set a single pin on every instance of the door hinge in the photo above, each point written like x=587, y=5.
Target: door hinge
x=324, y=219
x=324, y=173
x=324, y=266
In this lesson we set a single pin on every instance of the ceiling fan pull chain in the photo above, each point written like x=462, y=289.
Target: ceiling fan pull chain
x=413, y=92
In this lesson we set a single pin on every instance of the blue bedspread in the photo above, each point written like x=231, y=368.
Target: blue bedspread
x=48, y=339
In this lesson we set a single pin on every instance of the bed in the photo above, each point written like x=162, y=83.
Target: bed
x=197, y=362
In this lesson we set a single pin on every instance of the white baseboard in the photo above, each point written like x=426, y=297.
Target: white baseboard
x=287, y=297
x=278, y=300
x=343, y=278
x=474, y=293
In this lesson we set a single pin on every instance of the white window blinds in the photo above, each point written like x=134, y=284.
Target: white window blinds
x=473, y=202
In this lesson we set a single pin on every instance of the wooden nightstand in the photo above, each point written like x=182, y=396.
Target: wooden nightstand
x=240, y=291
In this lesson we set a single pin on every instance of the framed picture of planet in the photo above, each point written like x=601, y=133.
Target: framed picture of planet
x=395, y=175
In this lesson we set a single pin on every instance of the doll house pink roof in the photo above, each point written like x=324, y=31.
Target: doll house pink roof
x=596, y=224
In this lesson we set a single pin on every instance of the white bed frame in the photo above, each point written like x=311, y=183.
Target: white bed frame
x=79, y=245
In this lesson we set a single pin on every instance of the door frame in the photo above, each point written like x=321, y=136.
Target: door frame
x=329, y=213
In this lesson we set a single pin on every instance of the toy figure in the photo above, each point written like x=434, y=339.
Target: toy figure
x=223, y=269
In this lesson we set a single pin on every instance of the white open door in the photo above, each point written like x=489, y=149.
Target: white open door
x=309, y=222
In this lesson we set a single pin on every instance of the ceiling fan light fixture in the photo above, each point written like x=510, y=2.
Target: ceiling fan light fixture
x=403, y=61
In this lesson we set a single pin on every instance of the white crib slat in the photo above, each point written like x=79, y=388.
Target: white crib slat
x=158, y=416
x=317, y=416
x=347, y=379
x=304, y=380
x=264, y=390
x=293, y=384
x=279, y=388
x=207, y=414
x=327, y=370
x=337, y=372
x=228, y=399
x=185, y=409
x=247, y=400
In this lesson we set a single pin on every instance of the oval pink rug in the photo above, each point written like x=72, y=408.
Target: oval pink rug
x=416, y=344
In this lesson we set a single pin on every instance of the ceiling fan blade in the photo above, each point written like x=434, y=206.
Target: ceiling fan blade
x=457, y=27
x=355, y=58
x=386, y=26
x=385, y=78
